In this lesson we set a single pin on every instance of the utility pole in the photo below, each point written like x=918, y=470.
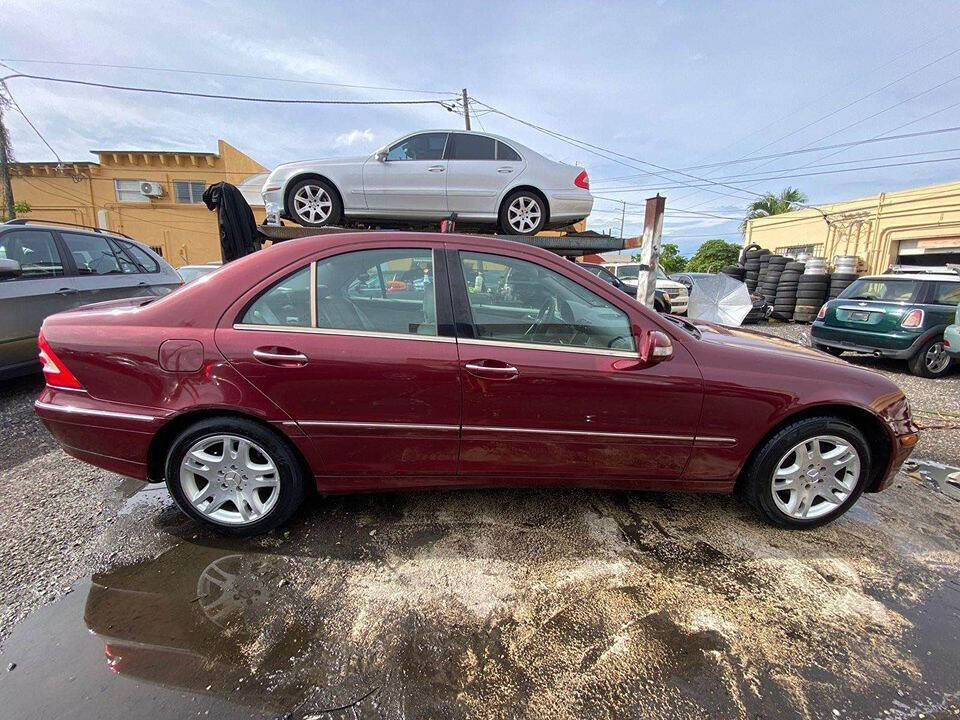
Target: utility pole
x=466, y=109
x=5, y=167
x=623, y=216
x=650, y=250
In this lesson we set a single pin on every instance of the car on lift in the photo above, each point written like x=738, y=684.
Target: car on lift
x=661, y=301
x=900, y=315
x=487, y=180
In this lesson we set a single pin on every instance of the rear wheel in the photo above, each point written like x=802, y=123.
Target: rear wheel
x=808, y=473
x=523, y=213
x=234, y=476
x=932, y=361
x=314, y=203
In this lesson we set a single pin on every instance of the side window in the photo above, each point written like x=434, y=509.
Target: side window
x=391, y=291
x=471, y=147
x=946, y=293
x=505, y=152
x=286, y=303
x=425, y=146
x=93, y=254
x=514, y=300
x=35, y=250
x=141, y=257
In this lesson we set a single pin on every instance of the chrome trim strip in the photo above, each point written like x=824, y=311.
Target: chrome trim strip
x=553, y=348
x=717, y=440
x=346, y=333
x=70, y=409
x=637, y=436
x=398, y=426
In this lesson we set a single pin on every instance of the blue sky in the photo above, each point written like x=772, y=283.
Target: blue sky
x=677, y=84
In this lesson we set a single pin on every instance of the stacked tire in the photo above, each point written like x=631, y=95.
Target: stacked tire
x=813, y=287
x=844, y=274
x=785, y=301
x=737, y=272
x=770, y=276
x=751, y=266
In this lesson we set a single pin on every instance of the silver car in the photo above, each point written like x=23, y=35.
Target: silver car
x=48, y=268
x=427, y=176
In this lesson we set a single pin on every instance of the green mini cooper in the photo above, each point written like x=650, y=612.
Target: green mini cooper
x=896, y=315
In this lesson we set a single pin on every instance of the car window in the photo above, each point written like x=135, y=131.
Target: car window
x=94, y=255
x=425, y=146
x=514, y=300
x=628, y=272
x=285, y=303
x=35, y=250
x=390, y=291
x=140, y=256
x=471, y=147
x=888, y=289
x=507, y=153
x=946, y=293
x=602, y=273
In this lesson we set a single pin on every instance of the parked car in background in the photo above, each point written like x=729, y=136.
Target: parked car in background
x=507, y=366
x=661, y=301
x=428, y=175
x=897, y=315
x=630, y=272
x=50, y=267
x=951, y=337
x=188, y=273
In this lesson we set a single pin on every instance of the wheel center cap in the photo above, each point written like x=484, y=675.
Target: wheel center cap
x=813, y=472
x=233, y=478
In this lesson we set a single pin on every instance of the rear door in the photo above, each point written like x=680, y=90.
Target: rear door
x=475, y=174
x=104, y=271
x=553, y=389
x=43, y=288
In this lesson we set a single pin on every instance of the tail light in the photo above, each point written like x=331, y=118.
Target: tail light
x=823, y=312
x=913, y=319
x=54, y=371
x=582, y=181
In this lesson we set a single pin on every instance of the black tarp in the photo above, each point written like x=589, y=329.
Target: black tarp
x=239, y=235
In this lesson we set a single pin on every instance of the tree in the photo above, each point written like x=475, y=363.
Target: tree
x=713, y=256
x=19, y=208
x=670, y=258
x=771, y=204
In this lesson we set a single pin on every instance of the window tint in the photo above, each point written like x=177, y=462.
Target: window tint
x=946, y=293
x=517, y=301
x=286, y=303
x=145, y=262
x=472, y=147
x=35, y=250
x=505, y=152
x=188, y=191
x=94, y=255
x=378, y=291
x=891, y=290
x=129, y=191
x=425, y=146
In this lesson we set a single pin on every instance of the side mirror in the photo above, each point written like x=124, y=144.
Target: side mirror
x=381, y=155
x=9, y=269
x=655, y=346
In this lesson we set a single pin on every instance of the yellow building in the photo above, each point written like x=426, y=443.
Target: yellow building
x=167, y=215
x=910, y=227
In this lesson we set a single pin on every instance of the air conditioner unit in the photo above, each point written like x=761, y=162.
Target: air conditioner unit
x=151, y=189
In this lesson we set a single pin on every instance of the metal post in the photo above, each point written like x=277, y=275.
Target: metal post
x=650, y=250
x=466, y=109
x=623, y=216
x=5, y=168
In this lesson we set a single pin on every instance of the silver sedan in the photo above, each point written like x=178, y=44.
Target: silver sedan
x=427, y=176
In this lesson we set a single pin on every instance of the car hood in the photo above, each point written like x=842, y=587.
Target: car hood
x=751, y=341
x=321, y=162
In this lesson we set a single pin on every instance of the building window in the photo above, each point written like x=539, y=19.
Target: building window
x=189, y=191
x=129, y=191
x=795, y=250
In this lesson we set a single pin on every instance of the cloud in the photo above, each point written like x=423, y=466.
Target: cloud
x=349, y=139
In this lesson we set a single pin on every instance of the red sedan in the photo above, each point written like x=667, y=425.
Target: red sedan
x=507, y=366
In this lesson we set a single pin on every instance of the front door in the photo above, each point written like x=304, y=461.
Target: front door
x=552, y=383
x=411, y=180
x=476, y=174
x=357, y=352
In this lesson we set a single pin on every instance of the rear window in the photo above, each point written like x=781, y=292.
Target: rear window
x=887, y=289
x=946, y=293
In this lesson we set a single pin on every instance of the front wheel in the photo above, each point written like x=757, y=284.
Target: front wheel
x=523, y=213
x=809, y=473
x=314, y=203
x=932, y=361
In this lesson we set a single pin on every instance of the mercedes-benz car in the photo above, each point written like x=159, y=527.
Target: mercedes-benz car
x=429, y=175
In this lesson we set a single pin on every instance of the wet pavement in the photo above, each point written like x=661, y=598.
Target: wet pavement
x=545, y=604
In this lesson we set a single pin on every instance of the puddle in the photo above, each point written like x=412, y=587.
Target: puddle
x=942, y=478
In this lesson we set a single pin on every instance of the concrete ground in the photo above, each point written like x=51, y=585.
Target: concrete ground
x=494, y=604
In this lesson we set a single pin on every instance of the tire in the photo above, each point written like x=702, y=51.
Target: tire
x=811, y=295
x=267, y=445
x=757, y=481
x=526, y=210
x=303, y=195
x=923, y=365
x=794, y=265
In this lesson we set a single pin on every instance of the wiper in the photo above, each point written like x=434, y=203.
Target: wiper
x=686, y=325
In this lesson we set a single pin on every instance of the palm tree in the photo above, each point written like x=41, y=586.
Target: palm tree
x=771, y=204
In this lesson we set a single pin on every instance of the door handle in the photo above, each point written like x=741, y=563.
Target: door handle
x=67, y=291
x=269, y=357
x=436, y=168
x=499, y=372
x=505, y=170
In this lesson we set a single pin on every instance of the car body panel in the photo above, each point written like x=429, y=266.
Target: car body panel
x=951, y=336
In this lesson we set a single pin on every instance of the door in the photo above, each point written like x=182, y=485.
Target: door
x=411, y=180
x=42, y=288
x=104, y=271
x=553, y=387
x=368, y=373
x=478, y=170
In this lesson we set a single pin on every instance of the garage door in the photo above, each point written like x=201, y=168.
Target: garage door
x=929, y=251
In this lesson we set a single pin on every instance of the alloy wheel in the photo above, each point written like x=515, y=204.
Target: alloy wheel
x=312, y=204
x=229, y=479
x=936, y=358
x=524, y=213
x=815, y=477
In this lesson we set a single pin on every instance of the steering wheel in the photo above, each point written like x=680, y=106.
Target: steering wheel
x=558, y=308
x=547, y=307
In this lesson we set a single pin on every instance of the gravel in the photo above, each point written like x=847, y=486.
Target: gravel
x=24, y=436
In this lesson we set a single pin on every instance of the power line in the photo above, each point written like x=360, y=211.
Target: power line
x=24, y=116
x=230, y=75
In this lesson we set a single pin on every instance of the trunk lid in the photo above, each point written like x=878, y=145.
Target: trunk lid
x=873, y=304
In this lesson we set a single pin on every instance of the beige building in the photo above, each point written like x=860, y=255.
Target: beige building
x=909, y=227
x=167, y=214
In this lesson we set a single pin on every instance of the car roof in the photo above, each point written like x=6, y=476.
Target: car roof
x=509, y=141
x=943, y=277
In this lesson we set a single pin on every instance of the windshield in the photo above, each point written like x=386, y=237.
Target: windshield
x=632, y=272
x=891, y=289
